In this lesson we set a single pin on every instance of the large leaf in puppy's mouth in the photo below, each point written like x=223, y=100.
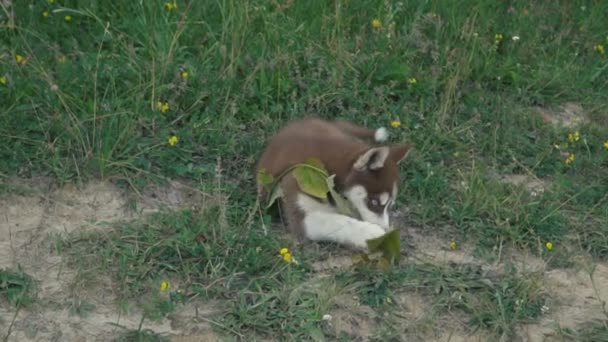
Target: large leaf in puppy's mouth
x=389, y=244
x=343, y=205
x=311, y=177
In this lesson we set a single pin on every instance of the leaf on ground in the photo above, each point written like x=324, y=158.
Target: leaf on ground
x=311, y=177
x=389, y=244
x=383, y=264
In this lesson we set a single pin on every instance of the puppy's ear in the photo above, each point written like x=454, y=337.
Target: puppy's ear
x=399, y=152
x=372, y=159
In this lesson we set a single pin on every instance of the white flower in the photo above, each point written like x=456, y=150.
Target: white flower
x=515, y=38
x=327, y=317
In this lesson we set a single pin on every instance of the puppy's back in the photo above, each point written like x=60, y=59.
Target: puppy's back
x=311, y=138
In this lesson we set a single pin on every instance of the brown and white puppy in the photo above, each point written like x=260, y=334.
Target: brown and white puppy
x=365, y=175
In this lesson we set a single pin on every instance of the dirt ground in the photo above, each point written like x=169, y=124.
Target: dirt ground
x=37, y=210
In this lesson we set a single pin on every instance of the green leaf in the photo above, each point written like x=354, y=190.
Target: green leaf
x=276, y=193
x=343, y=205
x=360, y=259
x=316, y=163
x=264, y=177
x=389, y=244
x=311, y=178
x=383, y=264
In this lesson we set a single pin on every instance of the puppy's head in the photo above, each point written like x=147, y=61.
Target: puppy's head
x=372, y=183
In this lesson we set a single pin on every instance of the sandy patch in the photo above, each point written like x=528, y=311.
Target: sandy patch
x=29, y=218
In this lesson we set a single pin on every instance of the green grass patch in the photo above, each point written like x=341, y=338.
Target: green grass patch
x=136, y=92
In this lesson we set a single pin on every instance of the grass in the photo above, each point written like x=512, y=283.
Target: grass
x=81, y=101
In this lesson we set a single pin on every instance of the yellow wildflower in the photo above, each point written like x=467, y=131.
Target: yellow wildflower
x=376, y=23
x=599, y=48
x=164, y=285
x=46, y=14
x=162, y=106
x=572, y=137
x=453, y=245
x=173, y=140
x=498, y=37
x=184, y=74
x=549, y=245
x=412, y=80
x=61, y=59
x=606, y=144
x=20, y=59
x=288, y=258
x=67, y=18
x=570, y=159
x=3, y=80
x=395, y=123
x=170, y=6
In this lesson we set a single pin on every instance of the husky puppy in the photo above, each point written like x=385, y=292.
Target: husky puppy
x=367, y=176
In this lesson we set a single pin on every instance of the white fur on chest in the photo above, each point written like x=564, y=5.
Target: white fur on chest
x=323, y=223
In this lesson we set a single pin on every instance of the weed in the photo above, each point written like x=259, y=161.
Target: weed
x=17, y=287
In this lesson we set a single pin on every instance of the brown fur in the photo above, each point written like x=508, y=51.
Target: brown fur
x=338, y=145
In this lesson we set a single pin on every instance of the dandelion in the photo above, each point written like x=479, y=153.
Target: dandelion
x=4, y=80
x=164, y=285
x=170, y=6
x=572, y=137
x=376, y=23
x=412, y=80
x=184, y=74
x=453, y=245
x=498, y=37
x=20, y=59
x=605, y=144
x=599, y=48
x=287, y=257
x=46, y=14
x=570, y=159
x=395, y=123
x=67, y=18
x=549, y=245
x=162, y=106
x=173, y=140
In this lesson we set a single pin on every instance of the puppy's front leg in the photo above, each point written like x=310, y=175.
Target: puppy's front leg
x=325, y=226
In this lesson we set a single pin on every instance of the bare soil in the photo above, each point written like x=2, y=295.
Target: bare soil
x=29, y=217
